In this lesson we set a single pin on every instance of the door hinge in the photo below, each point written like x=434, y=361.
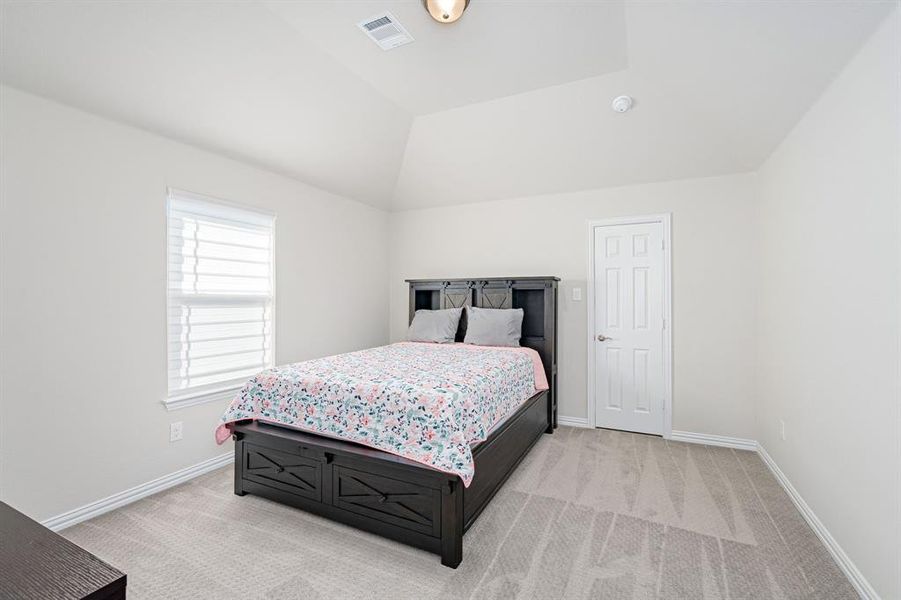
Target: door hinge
x=664, y=323
x=663, y=244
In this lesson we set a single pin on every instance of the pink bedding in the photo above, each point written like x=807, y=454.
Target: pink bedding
x=426, y=402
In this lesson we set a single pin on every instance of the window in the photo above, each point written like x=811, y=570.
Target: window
x=220, y=297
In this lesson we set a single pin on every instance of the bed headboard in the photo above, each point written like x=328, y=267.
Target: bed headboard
x=537, y=296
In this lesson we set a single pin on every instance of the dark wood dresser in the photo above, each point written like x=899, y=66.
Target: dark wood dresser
x=36, y=563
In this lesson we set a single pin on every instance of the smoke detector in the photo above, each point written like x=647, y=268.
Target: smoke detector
x=386, y=31
x=621, y=104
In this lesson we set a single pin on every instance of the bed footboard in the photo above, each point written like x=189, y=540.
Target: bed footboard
x=380, y=492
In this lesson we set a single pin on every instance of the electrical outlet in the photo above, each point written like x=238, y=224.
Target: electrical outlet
x=782, y=429
x=577, y=294
x=175, y=431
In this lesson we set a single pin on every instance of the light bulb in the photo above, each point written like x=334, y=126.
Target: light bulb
x=446, y=11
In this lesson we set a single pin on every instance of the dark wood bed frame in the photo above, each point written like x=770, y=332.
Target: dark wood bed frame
x=392, y=496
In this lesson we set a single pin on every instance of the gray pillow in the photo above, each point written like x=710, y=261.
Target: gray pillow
x=493, y=326
x=434, y=325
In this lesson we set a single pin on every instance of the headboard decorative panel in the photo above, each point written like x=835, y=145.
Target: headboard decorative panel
x=537, y=296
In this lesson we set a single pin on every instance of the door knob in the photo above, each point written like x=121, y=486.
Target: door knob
x=602, y=337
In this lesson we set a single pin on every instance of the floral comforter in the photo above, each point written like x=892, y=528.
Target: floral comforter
x=426, y=402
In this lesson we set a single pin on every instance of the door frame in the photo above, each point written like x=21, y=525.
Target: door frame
x=666, y=220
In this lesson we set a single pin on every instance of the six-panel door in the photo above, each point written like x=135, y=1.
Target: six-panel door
x=628, y=336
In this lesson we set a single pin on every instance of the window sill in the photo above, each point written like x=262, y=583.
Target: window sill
x=203, y=397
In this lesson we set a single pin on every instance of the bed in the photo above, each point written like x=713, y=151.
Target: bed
x=426, y=485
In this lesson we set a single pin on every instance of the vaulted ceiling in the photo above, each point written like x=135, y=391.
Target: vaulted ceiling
x=512, y=100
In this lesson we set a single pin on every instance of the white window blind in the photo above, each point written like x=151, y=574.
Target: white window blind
x=220, y=291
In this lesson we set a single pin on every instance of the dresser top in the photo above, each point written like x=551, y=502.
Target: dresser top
x=38, y=563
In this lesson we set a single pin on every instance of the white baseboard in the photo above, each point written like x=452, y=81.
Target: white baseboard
x=95, y=509
x=573, y=421
x=713, y=440
x=861, y=585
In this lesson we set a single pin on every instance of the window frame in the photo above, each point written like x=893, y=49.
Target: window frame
x=226, y=391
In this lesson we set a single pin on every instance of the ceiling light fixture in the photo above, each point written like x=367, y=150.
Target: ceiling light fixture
x=445, y=11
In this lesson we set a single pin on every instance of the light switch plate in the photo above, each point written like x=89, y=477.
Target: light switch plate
x=577, y=294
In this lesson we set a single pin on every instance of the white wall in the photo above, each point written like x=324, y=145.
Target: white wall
x=828, y=328
x=83, y=348
x=713, y=280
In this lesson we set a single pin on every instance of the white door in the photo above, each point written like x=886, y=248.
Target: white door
x=628, y=317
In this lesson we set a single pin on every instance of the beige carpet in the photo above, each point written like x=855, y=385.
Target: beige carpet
x=589, y=514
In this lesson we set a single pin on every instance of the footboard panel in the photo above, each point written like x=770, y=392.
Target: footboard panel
x=389, y=498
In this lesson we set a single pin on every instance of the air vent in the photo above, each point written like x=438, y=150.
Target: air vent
x=385, y=31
